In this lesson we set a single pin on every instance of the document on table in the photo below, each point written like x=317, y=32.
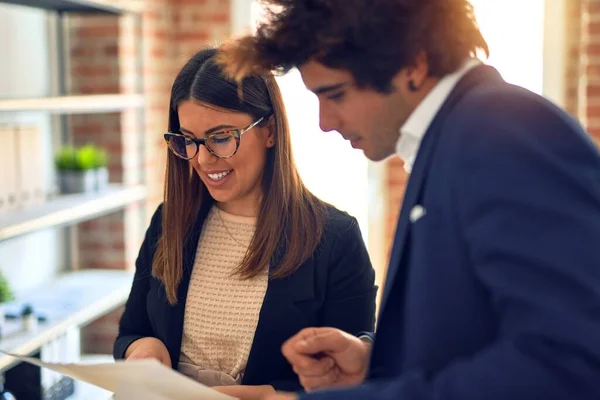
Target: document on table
x=136, y=379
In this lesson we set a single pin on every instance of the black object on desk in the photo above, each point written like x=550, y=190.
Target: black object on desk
x=4, y=394
x=25, y=382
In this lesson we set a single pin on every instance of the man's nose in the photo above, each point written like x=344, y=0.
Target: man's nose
x=327, y=119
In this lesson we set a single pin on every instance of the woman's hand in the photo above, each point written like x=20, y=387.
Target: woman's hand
x=282, y=396
x=246, y=392
x=148, y=347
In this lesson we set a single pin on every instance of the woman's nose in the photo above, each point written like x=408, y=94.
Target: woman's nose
x=204, y=156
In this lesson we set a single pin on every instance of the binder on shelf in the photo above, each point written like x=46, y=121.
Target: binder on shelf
x=9, y=172
x=30, y=166
x=3, y=172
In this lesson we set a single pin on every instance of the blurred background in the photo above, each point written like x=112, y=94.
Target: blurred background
x=84, y=92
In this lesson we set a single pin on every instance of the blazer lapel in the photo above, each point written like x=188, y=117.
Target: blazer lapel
x=283, y=297
x=411, y=196
x=473, y=78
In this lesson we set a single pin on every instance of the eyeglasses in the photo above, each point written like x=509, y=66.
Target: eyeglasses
x=223, y=144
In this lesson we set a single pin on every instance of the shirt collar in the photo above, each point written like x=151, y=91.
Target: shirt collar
x=413, y=130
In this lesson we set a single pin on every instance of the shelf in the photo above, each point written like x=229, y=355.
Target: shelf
x=68, y=209
x=83, y=6
x=100, y=103
x=72, y=300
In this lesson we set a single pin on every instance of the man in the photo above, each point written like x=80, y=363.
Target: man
x=493, y=287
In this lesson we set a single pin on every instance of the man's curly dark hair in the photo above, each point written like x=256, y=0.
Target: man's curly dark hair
x=373, y=39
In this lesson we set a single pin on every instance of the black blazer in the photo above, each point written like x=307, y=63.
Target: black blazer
x=335, y=287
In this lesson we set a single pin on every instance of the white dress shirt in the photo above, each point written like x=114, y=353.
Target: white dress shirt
x=411, y=133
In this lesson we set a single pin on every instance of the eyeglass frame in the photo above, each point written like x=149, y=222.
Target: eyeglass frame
x=199, y=142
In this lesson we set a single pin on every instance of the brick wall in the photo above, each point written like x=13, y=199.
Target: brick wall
x=573, y=54
x=102, y=59
x=387, y=185
x=97, y=64
x=587, y=38
x=396, y=178
x=173, y=31
x=160, y=53
x=582, y=73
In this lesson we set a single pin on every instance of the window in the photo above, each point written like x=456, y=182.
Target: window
x=328, y=165
x=514, y=31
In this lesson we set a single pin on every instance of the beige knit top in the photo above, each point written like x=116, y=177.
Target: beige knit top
x=221, y=312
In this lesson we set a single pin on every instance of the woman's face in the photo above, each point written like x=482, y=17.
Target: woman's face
x=235, y=182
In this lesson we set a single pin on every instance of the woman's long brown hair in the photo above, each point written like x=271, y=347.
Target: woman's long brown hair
x=290, y=217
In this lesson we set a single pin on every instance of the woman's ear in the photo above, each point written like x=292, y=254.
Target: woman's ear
x=271, y=132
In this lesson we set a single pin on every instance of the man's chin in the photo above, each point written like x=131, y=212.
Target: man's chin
x=377, y=156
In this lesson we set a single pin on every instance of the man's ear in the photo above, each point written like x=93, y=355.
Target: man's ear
x=412, y=78
x=418, y=72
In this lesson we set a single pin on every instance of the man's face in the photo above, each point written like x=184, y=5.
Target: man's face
x=370, y=120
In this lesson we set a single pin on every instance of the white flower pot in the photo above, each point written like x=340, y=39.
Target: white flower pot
x=77, y=181
x=2, y=321
x=101, y=178
x=30, y=322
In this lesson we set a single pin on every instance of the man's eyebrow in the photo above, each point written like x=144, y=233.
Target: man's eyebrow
x=328, y=88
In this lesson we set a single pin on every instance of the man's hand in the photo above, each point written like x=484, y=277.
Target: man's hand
x=148, y=347
x=327, y=357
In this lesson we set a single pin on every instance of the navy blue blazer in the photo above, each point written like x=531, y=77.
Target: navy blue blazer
x=494, y=292
x=335, y=287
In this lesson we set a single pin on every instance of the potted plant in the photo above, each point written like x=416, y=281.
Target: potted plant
x=28, y=318
x=76, y=169
x=6, y=295
x=101, y=161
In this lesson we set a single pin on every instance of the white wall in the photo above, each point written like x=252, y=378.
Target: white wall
x=24, y=72
x=329, y=166
x=241, y=16
x=555, y=50
x=514, y=31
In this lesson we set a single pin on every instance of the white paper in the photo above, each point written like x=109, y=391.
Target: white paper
x=134, y=392
x=149, y=376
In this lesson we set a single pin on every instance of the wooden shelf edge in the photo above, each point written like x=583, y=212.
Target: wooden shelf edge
x=122, y=6
x=68, y=209
x=83, y=6
x=75, y=104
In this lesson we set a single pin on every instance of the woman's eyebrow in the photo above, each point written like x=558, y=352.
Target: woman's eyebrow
x=218, y=128
x=209, y=131
x=183, y=130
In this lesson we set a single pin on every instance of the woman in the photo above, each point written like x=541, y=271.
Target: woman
x=240, y=256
